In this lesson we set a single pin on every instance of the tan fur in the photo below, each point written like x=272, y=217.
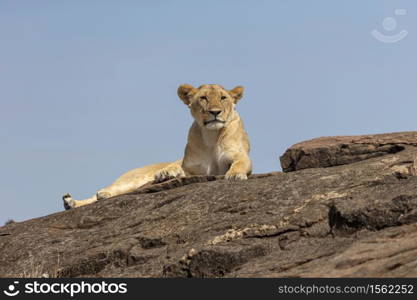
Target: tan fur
x=217, y=145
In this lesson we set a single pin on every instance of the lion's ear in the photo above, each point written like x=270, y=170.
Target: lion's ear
x=185, y=91
x=237, y=93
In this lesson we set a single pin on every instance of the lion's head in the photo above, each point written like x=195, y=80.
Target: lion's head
x=211, y=105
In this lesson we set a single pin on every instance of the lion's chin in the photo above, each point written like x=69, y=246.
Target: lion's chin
x=214, y=125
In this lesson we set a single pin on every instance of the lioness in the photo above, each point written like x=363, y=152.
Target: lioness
x=217, y=145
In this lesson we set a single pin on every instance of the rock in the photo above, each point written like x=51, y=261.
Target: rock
x=349, y=208
x=341, y=150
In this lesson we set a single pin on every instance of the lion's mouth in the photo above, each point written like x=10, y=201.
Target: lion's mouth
x=213, y=121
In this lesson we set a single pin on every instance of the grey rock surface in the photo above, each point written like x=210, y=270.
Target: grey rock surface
x=345, y=207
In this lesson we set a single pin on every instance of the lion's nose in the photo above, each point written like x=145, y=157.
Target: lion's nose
x=215, y=112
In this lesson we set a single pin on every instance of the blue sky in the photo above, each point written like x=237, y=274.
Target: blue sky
x=88, y=88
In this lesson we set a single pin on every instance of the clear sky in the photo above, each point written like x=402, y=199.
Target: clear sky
x=88, y=88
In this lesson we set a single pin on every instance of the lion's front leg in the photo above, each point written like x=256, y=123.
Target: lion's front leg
x=240, y=168
x=171, y=171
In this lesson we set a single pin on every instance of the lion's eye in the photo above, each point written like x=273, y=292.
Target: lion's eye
x=203, y=98
x=223, y=97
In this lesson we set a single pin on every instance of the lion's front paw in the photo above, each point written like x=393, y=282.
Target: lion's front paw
x=167, y=174
x=236, y=176
x=68, y=201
